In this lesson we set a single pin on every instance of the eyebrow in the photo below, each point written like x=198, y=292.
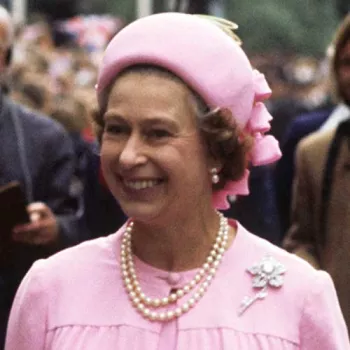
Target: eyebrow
x=112, y=115
x=146, y=122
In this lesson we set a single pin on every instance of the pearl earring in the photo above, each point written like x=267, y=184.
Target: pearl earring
x=214, y=176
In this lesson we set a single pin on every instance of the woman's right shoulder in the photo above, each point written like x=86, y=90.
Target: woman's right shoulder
x=70, y=262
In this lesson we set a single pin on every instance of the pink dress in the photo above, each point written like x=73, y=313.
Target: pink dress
x=75, y=300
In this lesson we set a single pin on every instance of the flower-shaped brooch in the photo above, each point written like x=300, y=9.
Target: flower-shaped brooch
x=268, y=272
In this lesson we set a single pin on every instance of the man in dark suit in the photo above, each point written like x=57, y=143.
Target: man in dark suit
x=36, y=152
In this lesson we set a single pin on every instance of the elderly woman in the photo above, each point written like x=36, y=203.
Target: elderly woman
x=181, y=116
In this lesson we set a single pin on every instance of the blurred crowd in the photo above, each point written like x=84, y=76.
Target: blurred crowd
x=53, y=71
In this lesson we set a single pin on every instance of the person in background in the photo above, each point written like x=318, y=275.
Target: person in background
x=177, y=133
x=320, y=221
x=32, y=93
x=100, y=211
x=36, y=152
x=320, y=119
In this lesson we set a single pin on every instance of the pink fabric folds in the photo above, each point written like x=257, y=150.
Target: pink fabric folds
x=239, y=187
x=265, y=148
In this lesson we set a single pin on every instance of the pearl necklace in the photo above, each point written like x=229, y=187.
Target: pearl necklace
x=146, y=305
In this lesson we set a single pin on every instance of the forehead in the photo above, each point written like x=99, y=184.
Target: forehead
x=150, y=94
x=152, y=77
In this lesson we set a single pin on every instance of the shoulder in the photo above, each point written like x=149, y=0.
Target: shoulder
x=37, y=121
x=315, y=146
x=75, y=268
x=312, y=119
x=44, y=135
x=76, y=257
x=296, y=268
x=305, y=124
x=317, y=138
x=66, y=288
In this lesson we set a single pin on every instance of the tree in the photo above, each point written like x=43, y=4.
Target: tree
x=343, y=7
x=297, y=26
x=126, y=9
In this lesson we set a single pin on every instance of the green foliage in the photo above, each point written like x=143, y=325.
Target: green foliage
x=297, y=26
x=124, y=9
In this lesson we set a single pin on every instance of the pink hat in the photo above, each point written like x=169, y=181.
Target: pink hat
x=211, y=63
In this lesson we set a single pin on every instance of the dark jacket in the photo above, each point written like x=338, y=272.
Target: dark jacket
x=103, y=215
x=38, y=153
x=300, y=127
x=257, y=212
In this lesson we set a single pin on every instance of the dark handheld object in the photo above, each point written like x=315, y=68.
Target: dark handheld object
x=12, y=212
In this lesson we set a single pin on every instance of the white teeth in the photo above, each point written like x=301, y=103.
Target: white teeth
x=139, y=185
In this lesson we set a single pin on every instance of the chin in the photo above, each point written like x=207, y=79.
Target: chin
x=141, y=212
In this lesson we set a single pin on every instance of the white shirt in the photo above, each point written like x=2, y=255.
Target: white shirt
x=340, y=113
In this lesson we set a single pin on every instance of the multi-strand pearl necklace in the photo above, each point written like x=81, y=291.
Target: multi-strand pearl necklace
x=146, y=306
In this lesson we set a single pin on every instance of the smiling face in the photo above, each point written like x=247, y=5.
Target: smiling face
x=152, y=155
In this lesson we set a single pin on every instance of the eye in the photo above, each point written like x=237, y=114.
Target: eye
x=116, y=129
x=159, y=133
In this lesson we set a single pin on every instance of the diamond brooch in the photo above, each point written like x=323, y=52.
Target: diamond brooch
x=268, y=272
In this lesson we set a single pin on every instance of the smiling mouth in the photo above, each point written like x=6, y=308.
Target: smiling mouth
x=142, y=184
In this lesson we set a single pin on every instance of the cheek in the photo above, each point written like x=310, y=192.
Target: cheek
x=197, y=153
x=190, y=158
x=109, y=156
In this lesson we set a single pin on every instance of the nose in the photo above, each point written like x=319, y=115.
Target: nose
x=132, y=153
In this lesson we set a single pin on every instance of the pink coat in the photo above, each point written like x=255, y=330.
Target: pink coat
x=75, y=300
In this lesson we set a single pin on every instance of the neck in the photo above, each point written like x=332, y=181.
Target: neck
x=180, y=245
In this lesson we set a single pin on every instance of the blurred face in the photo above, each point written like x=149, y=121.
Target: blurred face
x=152, y=155
x=344, y=72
